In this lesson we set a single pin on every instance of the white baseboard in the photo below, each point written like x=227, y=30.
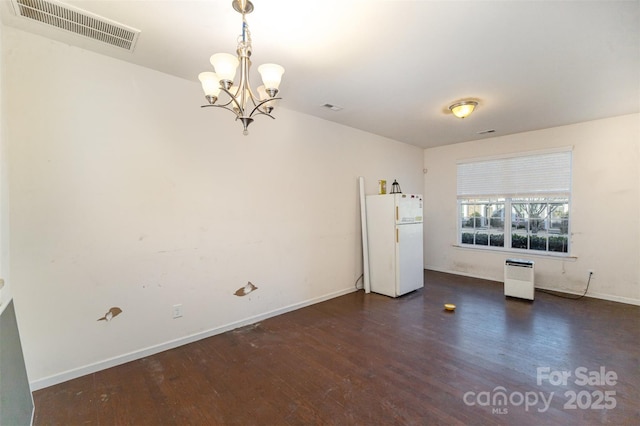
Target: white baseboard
x=464, y=274
x=602, y=296
x=141, y=353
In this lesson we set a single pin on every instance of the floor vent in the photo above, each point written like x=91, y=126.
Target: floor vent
x=78, y=21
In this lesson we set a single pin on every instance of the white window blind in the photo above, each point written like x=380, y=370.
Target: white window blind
x=543, y=174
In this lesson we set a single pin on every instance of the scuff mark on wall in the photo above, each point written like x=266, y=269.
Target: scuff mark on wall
x=112, y=313
x=243, y=291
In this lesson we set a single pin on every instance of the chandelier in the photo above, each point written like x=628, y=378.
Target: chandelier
x=239, y=98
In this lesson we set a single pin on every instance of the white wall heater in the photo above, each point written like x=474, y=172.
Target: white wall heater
x=518, y=278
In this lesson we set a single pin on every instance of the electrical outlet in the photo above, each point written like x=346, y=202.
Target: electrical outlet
x=177, y=311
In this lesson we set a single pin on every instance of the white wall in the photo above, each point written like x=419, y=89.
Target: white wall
x=16, y=402
x=5, y=290
x=605, y=224
x=124, y=193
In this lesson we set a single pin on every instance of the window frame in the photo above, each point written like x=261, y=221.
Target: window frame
x=507, y=228
x=507, y=180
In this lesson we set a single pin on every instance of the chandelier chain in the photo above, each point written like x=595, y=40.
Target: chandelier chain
x=244, y=39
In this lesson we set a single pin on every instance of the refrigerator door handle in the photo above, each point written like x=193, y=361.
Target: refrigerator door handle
x=397, y=214
x=397, y=235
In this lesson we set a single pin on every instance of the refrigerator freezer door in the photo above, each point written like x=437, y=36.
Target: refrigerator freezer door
x=410, y=262
x=408, y=208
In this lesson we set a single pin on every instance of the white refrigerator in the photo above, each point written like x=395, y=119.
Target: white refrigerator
x=394, y=228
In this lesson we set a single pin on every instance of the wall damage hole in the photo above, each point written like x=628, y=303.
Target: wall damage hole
x=243, y=291
x=112, y=313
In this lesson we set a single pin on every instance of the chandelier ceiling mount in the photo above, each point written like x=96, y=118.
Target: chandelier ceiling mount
x=243, y=7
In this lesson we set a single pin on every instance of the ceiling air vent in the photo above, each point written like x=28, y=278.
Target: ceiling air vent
x=78, y=21
x=332, y=107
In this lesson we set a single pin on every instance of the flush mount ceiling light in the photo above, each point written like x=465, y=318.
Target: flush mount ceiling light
x=463, y=109
x=240, y=99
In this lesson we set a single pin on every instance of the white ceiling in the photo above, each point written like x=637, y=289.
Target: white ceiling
x=395, y=66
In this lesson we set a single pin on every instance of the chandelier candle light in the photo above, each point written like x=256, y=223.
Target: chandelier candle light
x=242, y=100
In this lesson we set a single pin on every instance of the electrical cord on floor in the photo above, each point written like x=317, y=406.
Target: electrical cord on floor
x=356, y=283
x=555, y=293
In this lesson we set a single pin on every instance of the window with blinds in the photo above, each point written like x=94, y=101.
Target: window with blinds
x=518, y=203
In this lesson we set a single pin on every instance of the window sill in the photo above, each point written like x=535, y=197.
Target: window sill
x=518, y=253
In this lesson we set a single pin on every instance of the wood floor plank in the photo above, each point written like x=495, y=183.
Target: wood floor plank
x=372, y=360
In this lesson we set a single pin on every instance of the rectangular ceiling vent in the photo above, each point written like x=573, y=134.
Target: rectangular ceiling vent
x=78, y=21
x=332, y=107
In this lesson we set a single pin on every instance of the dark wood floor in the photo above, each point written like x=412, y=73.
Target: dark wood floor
x=372, y=360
